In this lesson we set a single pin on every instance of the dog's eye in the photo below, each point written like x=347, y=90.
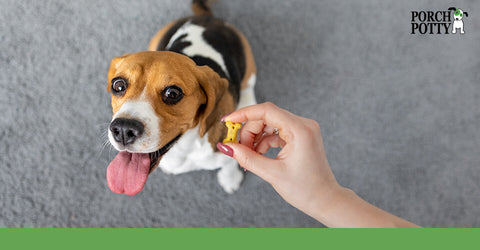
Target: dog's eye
x=172, y=94
x=119, y=85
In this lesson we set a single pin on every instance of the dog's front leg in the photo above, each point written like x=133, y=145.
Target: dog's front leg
x=230, y=176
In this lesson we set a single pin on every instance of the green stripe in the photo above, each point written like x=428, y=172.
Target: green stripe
x=244, y=239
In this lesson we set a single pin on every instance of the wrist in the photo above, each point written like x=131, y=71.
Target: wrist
x=342, y=196
x=326, y=200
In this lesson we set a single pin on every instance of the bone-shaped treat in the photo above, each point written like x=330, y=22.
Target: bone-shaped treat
x=232, y=131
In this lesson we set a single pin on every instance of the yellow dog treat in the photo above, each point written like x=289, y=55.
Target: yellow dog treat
x=232, y=131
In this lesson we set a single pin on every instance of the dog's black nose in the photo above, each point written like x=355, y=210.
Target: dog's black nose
x=126, y=131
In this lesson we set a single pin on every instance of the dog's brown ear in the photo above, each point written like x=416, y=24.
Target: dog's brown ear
x=113, y=67
x=215, y=89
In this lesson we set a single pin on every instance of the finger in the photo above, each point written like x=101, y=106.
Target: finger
x=269, y=130
x=270, y=114
x=256, y=132
x=252, y=161
x=250, y=131
x=258, y=138
x=269, y=141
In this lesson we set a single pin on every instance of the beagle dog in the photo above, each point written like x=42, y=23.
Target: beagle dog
x=167, y=102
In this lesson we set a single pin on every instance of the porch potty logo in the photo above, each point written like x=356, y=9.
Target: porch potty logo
x=438, y=22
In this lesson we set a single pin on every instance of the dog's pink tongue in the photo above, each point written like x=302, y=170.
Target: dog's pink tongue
x=128, y=172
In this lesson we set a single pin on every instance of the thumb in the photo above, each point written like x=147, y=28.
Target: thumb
x=248, y=159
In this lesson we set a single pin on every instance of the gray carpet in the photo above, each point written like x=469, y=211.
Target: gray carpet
x=399, y=112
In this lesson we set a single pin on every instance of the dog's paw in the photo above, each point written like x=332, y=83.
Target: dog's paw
x=230, y=177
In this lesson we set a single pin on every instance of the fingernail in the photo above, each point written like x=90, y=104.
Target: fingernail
x=225, y=149
x=244, y=170
x=223, y=118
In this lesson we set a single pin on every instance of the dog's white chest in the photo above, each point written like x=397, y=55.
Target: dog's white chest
x=193, y=152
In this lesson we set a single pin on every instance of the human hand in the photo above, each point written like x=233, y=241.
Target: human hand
x=300, y=173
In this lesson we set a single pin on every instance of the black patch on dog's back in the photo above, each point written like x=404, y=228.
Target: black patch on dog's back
x=166, y=38
x=223, y=39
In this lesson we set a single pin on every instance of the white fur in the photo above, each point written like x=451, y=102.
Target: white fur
x=247, y=96
x=198, y=45
x=193, y=152
x=143, y=111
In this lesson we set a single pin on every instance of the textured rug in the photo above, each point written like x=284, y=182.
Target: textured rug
x=399, y=112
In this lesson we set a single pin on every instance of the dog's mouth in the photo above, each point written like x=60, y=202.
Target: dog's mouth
x=156, y=156
x=128, y=172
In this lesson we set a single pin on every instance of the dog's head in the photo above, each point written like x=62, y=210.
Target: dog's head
x=156, y=97
x=458, y=13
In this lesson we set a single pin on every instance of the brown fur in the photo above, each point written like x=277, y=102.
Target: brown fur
x=156, y=70
x=201, y=8
x=206, y=96
x=250, y=66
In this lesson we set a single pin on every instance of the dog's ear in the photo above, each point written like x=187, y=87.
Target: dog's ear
x=466, y=13
x=214, y=88
x=452, y=8
x=113, y=67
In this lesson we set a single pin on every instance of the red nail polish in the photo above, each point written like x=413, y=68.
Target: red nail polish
x=225, y=149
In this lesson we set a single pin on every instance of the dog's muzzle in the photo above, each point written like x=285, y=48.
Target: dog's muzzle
x=126, y=131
